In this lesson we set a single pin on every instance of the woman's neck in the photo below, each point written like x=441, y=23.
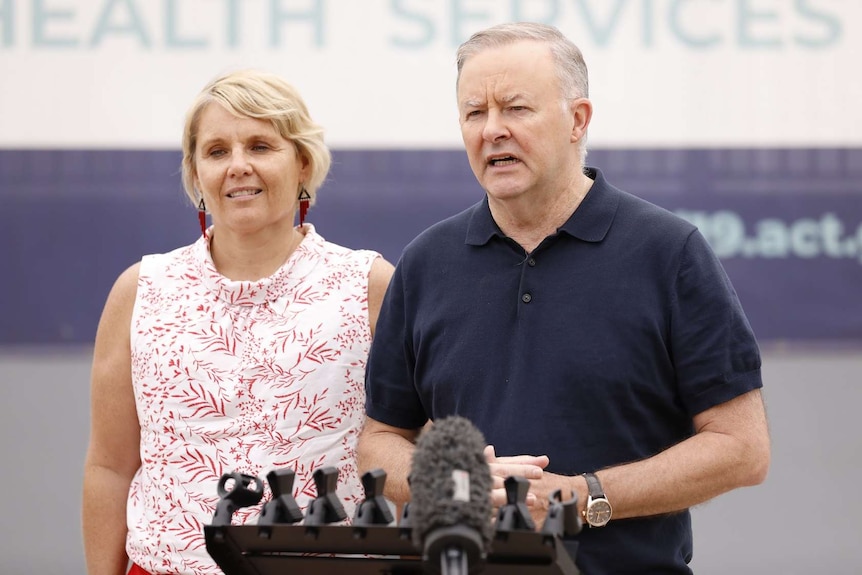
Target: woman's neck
x=250, y=257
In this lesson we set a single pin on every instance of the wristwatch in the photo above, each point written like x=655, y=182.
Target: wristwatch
x=598, y=510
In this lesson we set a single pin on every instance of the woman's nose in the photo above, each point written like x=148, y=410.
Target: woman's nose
x=239, y=163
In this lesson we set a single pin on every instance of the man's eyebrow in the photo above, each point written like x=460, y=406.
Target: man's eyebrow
x=509, y=98
x=471, y=103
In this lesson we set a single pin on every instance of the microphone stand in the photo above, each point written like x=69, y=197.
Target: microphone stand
x=453, y=562
x=454, y=550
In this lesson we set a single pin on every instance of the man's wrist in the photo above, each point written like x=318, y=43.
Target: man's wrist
x=579, y=489
x=598, y=510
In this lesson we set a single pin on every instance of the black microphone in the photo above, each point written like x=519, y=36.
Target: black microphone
x=450, y=506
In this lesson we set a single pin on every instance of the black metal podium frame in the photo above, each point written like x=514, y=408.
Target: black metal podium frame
x=366, y=550
x=323, y=545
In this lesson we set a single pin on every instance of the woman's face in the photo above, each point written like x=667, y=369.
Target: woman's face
x=249, y=175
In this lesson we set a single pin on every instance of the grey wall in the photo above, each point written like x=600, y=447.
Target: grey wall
x=804, y=519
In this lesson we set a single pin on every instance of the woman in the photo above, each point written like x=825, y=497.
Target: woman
x=244, y=351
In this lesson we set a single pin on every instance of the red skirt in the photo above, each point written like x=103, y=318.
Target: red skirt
x=135, y=570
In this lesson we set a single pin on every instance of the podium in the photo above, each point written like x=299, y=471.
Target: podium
x=279, y=545
x=287, y=549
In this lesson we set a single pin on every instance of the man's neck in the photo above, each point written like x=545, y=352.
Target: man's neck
x=531, y=218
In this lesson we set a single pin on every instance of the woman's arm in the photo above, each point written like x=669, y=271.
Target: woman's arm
x=113, y=453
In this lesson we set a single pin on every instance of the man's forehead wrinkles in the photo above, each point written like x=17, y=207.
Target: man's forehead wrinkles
x=503, y=99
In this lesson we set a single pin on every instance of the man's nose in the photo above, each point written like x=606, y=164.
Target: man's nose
x=495, y=126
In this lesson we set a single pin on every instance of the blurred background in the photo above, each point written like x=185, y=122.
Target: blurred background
x=742, y=116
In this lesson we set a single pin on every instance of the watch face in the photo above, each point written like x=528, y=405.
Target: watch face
x=599, y=512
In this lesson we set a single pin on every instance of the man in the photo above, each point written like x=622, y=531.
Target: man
x=567, y=318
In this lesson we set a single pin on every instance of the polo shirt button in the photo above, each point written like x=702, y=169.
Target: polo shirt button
x=526, y=298
x=531, y=262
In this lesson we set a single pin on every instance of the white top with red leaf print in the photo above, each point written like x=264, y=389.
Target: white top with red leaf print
x=240, y=376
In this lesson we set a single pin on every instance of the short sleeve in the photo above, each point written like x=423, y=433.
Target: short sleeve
x=714, y=349
x=390, y=390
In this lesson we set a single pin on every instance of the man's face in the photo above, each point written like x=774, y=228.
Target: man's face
x=518, y=131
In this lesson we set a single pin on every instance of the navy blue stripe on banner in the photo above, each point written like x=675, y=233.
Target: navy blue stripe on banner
x=787, y=224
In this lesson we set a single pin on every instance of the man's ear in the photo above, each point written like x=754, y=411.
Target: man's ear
x=582, y=113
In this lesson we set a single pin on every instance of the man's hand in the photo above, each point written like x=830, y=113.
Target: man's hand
x=531, y=467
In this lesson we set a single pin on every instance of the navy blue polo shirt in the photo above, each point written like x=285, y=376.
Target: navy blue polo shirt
x=595, y=349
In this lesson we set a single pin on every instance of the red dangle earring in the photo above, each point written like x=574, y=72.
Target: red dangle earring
x=304, y=200
x=202, y=216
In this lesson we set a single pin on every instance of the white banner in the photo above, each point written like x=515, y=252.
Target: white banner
x=381, y=73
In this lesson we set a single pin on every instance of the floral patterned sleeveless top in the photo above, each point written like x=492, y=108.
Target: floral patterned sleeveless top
x=241, y=376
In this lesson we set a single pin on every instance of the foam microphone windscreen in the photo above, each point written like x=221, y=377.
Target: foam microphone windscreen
x=450, y=482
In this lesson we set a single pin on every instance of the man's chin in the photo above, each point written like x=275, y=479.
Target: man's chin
x=504, y=192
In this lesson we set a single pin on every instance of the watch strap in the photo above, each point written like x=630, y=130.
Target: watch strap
x=594, y=486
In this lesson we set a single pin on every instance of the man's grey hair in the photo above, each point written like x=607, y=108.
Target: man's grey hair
x=571, y=68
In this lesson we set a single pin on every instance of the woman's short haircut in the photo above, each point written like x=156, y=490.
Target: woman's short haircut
x=264, y=96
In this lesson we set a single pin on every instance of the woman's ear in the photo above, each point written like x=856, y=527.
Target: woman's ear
x=305, y=170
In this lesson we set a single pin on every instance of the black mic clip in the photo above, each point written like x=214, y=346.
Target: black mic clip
x=405, y=523
x=374, y=509
x=325, y=508
x=246, y=490
x=514, y=515
x=563, y=519
x=282, y=508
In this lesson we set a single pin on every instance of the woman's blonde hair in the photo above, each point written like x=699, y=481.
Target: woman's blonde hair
x=264, y=96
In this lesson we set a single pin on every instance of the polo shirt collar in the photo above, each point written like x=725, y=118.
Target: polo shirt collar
x=590, y=222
